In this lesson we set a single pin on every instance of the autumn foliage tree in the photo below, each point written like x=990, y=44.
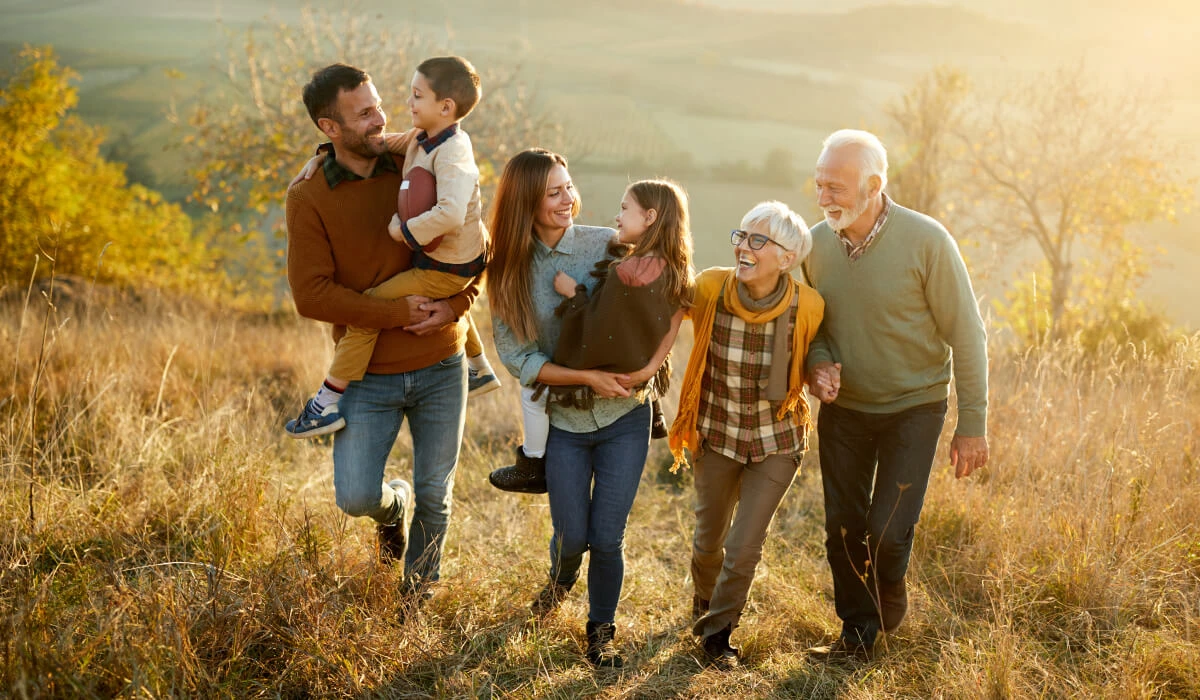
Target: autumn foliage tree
x=66, y=210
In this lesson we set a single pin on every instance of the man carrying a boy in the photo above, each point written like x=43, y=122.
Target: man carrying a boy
x=338, y=247
x=445, y=233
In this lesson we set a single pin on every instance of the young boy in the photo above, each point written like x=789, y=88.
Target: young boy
x=449, y=241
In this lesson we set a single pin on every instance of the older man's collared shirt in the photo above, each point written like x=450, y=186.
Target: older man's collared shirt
x=576, y=254
x=855, y=250
x=336, y=173
x=735, y=418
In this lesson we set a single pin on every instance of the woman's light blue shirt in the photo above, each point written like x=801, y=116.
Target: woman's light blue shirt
x=576, y=254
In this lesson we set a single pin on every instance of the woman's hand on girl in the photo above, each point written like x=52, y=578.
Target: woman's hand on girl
x=608, y=385
x=565, y=284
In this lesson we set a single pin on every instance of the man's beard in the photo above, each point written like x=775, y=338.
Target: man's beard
x=364, y=146
x=848, y=217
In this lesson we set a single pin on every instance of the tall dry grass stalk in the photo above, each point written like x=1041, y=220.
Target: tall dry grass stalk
x=179, y=545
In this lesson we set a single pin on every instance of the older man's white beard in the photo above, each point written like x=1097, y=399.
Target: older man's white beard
x=848, y=217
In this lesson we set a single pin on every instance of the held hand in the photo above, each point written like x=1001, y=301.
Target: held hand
x=608, y=385
x=439, y=313
x=967, y=454
x=416, y=316
x=825, y=381
x=310, y=168
x=564, y=284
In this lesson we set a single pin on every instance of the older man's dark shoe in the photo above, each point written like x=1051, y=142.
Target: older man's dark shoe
x=893, y=604
x=601, y=651
x=528, y=475
x=717, y=650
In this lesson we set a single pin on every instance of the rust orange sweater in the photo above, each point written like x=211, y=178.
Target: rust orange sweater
x=338, y=246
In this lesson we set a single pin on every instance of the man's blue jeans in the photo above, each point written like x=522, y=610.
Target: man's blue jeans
x=593, y=478
x=433, y=399
x=874, y=470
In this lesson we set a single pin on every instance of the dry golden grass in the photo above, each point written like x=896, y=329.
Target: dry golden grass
x=158, y=536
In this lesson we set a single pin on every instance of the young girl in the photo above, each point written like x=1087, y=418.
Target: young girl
x=626, y=326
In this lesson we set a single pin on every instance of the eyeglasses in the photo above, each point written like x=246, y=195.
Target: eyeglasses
x=756, y=242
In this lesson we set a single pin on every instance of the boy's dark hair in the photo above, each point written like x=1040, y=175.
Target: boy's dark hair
x=453, y=77
x=321, y=93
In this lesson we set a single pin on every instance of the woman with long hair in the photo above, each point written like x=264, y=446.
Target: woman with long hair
x=595, y=448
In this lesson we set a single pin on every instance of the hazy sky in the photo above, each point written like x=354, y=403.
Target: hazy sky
x=1177, y=19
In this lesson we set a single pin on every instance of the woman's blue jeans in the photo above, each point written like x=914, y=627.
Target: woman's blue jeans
x=593, y=479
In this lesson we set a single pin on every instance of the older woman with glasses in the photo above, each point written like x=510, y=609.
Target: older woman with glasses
x=742, y=410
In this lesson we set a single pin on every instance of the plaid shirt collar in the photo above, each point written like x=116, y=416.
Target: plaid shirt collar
x=336, y=173
x=854, y=250
x=431, y=143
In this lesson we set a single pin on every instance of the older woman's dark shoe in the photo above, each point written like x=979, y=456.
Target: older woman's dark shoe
x=528, y=475
x=718, y=651
x=601, y=651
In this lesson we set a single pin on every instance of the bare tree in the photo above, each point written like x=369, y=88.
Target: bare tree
x=1071, y=167
x=929, y=120
x=1053, y=159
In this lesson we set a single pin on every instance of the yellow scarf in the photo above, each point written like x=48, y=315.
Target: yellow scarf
x=712, y=285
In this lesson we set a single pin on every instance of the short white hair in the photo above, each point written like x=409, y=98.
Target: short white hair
x=785, y=226
x=872, y=154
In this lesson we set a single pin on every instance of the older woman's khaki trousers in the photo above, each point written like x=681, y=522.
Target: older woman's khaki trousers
x=726, y=550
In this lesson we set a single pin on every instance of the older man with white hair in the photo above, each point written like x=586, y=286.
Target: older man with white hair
x=900, y=319
x=742, y=410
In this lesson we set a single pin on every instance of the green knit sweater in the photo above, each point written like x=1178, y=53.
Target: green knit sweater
x=897, y=316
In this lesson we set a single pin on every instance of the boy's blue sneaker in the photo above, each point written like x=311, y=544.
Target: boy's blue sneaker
x=479, y=384
x=311, y=423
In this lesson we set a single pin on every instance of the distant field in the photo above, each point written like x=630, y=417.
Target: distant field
x=610, y=129
x=709, y=138
x=705, y=86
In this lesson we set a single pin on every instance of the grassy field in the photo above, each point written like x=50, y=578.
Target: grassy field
x=158, y=536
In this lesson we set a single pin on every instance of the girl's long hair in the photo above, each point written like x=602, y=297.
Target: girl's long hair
x=669, y=237
x=519, y=193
